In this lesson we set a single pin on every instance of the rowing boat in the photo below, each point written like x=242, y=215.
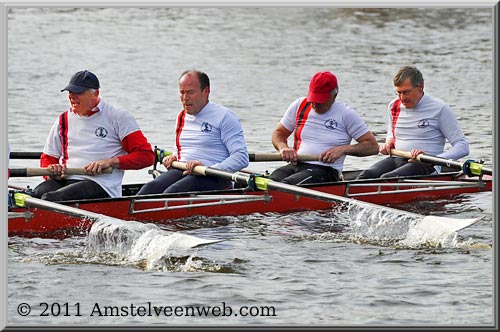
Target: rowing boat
x=165, y=208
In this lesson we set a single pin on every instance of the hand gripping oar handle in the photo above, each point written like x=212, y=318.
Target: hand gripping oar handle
x=469, y=167
x=24, y=172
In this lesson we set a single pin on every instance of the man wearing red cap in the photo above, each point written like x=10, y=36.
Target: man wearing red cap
x=92, y=135
x=324, y=126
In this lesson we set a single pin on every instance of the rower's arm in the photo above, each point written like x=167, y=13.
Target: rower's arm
x=280, y=142
x=367, y=145
x=139, y=152
x=280, y=137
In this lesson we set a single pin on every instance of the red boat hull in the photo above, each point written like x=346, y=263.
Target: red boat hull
x=45, y=223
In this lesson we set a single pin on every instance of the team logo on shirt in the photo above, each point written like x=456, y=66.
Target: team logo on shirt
x=206, y=127
x=101, y=132
x=331, y=124
x=423, y=123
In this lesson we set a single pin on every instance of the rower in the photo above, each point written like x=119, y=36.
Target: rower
x=220, y=142
x=94, y=135
x=418, y=123
x=321, y=125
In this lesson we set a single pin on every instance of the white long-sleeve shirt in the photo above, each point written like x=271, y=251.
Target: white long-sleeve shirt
x=214, y=136
x=427, y=127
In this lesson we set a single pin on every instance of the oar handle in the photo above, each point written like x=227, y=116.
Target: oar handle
x=402, y=154
x=200, y=170
x=24, y=172
x=277, y=157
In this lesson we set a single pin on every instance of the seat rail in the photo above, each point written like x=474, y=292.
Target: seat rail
x=195, y=201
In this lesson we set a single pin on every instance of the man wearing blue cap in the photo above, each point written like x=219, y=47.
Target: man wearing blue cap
x=324, y=126
x=92, y=135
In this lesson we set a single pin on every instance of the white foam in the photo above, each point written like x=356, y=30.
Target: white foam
x=401, y=229
x=135, y=241
x=378, y=224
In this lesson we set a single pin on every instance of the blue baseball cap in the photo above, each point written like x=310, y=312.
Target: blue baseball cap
x=82, y=81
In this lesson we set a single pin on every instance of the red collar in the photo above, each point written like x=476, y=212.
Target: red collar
x=92, y=112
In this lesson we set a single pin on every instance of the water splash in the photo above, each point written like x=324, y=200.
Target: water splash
x=138, y=243
x=379, y=225
x=398, y=229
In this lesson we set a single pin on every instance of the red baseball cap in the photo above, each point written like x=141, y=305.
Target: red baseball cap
x=321, y=86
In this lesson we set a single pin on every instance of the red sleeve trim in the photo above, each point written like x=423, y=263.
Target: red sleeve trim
x=140, y=154
x=46, y=160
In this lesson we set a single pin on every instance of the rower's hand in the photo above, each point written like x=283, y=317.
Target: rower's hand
x=331, y=155
x=414, y=154
x=96, y=167
x=387, y=146
x=190, y=165
x=58, y=170
x=289, y=155
x=168, y=160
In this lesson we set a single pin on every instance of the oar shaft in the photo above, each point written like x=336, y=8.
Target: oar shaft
x=264, y=184
x=277, y=157
x=25, y=155
x=64, y=209
x=25, y=172
x=448, y=224
x=428, y=159
x=437, y=161
x=251, y=156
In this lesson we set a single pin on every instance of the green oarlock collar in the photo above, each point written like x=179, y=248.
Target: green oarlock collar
x=476, y=169
x=160, y=154
x=20, y=199
x=261, y=183
x=470, y=168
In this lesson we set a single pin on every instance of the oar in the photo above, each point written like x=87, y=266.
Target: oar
x=160, y=154
x=470, y=167
x=25, y=155
x=277, y=157
x=445, y=224
x=251, y=156
x=24, y=172
x=24, y=200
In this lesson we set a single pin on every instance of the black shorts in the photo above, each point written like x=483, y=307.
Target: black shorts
x=66, y=190
x=303, y=173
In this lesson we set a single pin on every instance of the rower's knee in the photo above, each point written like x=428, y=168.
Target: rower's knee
x=389, y=175
x=367, y=174
x=51, y=196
